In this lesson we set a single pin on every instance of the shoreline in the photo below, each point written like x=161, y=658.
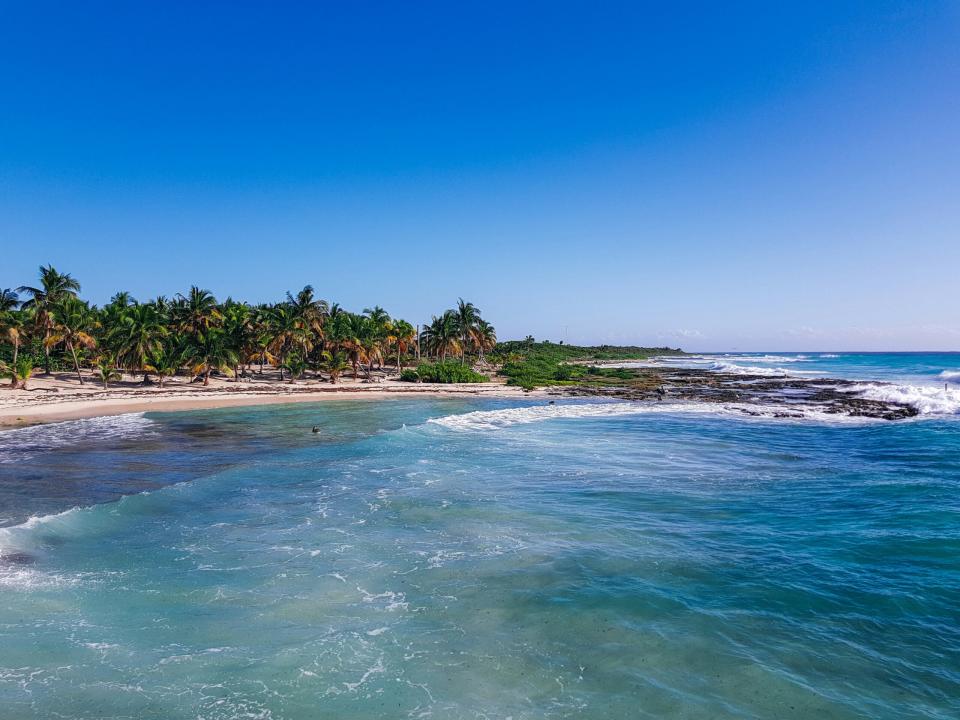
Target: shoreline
x=81, y=405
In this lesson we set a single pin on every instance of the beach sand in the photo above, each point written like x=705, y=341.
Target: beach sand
x=61, y=397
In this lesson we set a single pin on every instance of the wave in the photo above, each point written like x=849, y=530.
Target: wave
x=828, y=355
x=951, y=376
x=21, y=444
x=19, y=551
x=927, y=400
x=770, y=358
x=734, y=369
x=507, y=417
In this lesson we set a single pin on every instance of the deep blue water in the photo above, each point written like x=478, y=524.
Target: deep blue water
x=482, y=558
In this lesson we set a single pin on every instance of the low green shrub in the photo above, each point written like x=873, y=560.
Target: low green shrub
x=443, y=372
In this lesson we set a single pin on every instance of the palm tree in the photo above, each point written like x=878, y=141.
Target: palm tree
x=379, y=332
x=402, y=335
x=9, y=301
x=467, y=316
x=238, y=331
x=357, y=341
x=335, y=363
x=71, y=326
x=197, y=311
x=209, y=352
x=139, y=332
x=164, y=361
x=296, y=365
x=107, y=370
x=20, y=372
x=310, y=311
x=288, y=333
x=14, y=327
x=442, y=335
x=484, y=337
x=54, y=287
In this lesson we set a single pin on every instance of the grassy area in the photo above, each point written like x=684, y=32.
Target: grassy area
x=531, y=364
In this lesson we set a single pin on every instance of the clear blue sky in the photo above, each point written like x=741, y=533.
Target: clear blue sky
x=720, y=175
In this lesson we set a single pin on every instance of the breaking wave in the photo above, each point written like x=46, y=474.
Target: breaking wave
x=19, y=552
x=770, y=358
x=927, y=400
x=734, y=369
x=951, y=376
x=21, y=444
x=507, y=417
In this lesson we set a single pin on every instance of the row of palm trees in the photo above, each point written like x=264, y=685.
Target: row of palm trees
x=195, y=333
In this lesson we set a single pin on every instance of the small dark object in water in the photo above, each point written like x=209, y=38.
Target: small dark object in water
x=17, y=558
x=552, y=402
x=316, y=428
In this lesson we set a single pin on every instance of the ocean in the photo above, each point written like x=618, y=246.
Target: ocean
x=491, y=558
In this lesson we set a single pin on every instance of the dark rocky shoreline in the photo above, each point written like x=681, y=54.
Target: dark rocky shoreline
x=786, y=397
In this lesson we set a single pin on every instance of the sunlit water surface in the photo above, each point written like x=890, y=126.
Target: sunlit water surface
x=549, y=563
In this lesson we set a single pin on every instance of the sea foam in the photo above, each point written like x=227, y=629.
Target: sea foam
x=928, y=400
x=507, y=417
x=23, y=443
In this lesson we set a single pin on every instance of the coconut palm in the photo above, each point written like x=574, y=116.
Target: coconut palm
x=467, y=316
x=14, y=325
x=484, y=337
x=238, y=331
x=288, y=333
x=54, y=287
x=208, y=352
x=402, y=336
x=106, y=370
x=71, y=327
x=442, y=335
x=9, y=301
x=309, y=310
x=334, y=363
x=197, y=311
x=19, y=372
x=164, y=361
x=296, y=366
x=138, y=332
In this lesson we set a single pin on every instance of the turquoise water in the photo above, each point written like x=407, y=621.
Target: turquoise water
x=481, y=558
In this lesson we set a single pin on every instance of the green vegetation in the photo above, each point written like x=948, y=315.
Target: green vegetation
x=530, y=364
x=197, y=334
x=442, y=372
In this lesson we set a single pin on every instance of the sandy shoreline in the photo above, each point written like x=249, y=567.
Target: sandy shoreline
x=61, y=397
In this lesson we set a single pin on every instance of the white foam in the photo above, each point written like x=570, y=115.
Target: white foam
x=927, y=400
x=18, y=533
x=507, y=417
x=19, y=539
x=21, y=444
x=951, y=376
x=769, y=358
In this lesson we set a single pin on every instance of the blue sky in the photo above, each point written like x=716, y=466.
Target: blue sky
x=716, y=176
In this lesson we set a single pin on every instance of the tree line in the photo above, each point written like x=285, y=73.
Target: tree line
x=50, y=325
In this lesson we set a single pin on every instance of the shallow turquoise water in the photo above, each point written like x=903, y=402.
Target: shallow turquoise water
x=531, y=563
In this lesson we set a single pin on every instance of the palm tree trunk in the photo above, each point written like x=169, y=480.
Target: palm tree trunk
x=16, y=351
x=399, y=369
x=206, y=377
x=76, y=364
